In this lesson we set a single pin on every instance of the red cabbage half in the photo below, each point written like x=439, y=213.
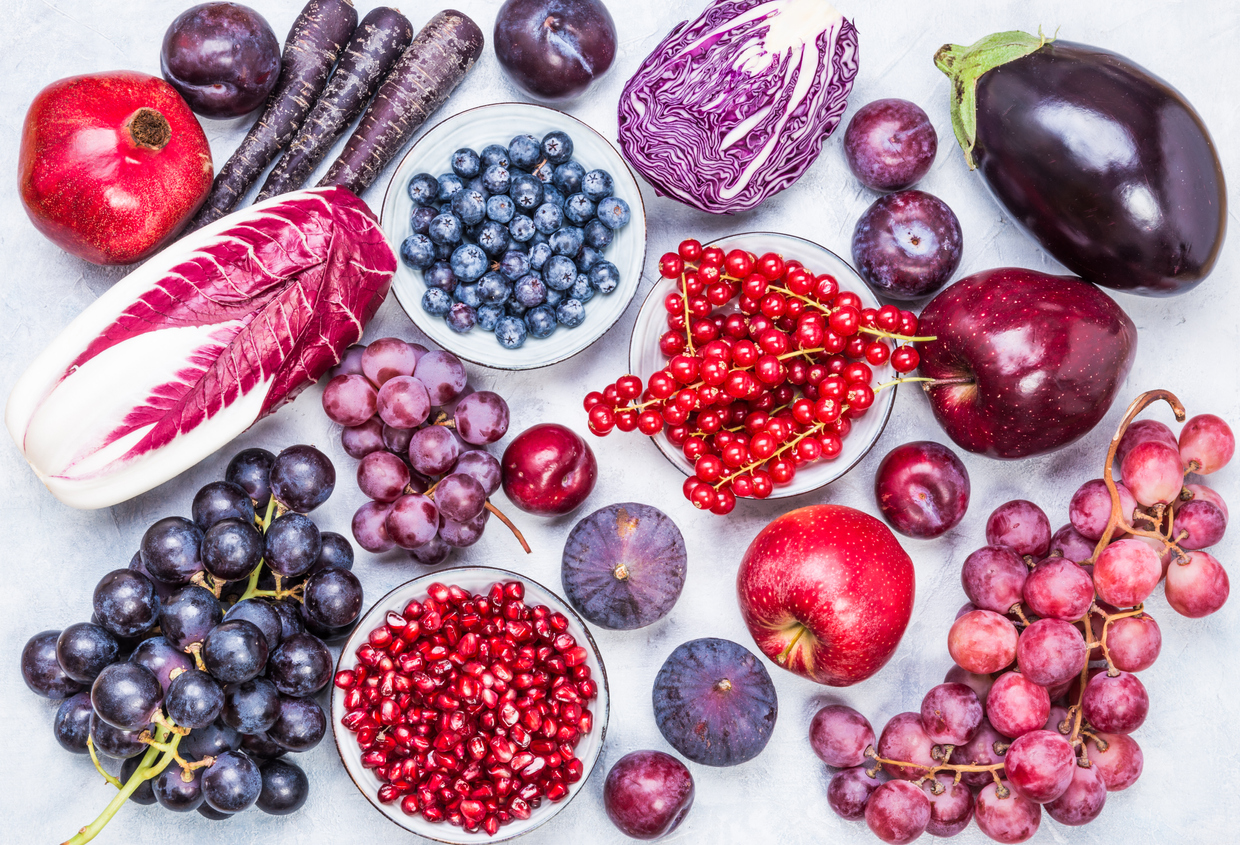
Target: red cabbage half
x=734, y=107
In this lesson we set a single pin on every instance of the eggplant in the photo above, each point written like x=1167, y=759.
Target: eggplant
x=1105, y=165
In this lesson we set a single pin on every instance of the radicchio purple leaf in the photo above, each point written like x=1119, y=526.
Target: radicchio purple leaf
x=733, y=107
x=188, y=351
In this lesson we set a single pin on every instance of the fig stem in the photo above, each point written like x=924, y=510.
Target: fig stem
x=516, y=532
x=621, y=572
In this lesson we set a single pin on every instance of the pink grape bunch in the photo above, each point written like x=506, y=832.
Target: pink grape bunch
x=1039, y=709
x=419, y=432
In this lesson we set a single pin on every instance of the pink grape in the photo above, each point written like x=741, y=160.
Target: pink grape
x=1009, y=820
x=431, y=553
x=950, y=714
x=1020, y=525
x=849, y=791
x=1164, y=552
x=350, y=362
x=1116, y=705
x=1134, y=642
x=1199, y=587
x=483, y=466
x=1056, y=718
x=1153, y=473
x=1201, y=491
x=952, y=809
x=1016, y=705
x=1039, y=765
x=1206, y=444
x=982, y=641
x=839, y=736
x=349, y=399
x=389, y=357
x=413, y=521
x=1051, y=652
x=903, y=739
x=433, y=450
x=460, y=497
x=1120, y=764
x=1090, y=508
x=396, y=440
x=1082, y=801
x=1059, y=589
x=443, y=374
x=967, y=607
x=980, y=684
x=897, y=812
x=404, y=402
x=1141, y=431
x=382, y=476
x=370, y=527
x=1058, y=691
x=1126, y=572
x=1071, y=545
x=359, y=441
x=462, y=534
x=993, y=578
x=980, y=751
x=1202, y=522
x=481, y=418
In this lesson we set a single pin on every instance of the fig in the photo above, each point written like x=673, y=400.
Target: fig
x=714, y=702
x=624, y=566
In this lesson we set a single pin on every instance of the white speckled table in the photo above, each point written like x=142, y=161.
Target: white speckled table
x=53, y=556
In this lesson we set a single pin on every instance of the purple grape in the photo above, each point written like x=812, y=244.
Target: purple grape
x=350, y=362
x=263, y=615
x=482, y=466
x=194, y=700
x=647, y=794
x=250, y=469
x=396, y=440
x=389, y=357
x=460, y=497
x=332, y=597
x=175, y=793
x=285, y=788
x=170, y=550
x=231, y=549
x=952, y=809
x=235, y=651
x=302, y=478
x=126, y=695
x=433, y=450
x=404, y=402
x=1204, y=521
x=382, y=476
x=980, y=751
x=370, y=527
x=1069, y=543
x=907, y=245
x=482, y=418
x=431, y=553
x=1022, y=526
x=350, y=400
x=143, y=794
x=951, y=714
x=994, y=578
x=158, y=655
x=42, y=671
x=221, y=500
x=443, y=374
x=84, y=650
x=459, y=535
x=300, y=725
x=232, y=782
x=839, y=736
x=114, y=742
x=301, y=666
x=849, y=791
x=898, y=812
x=251, y=706
x=890, y=144
x=412, y=520
x=188, y=616
x=72, y=723
x=359, y=441
x=1082, y=801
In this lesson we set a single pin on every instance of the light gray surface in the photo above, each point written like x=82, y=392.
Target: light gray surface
x=53, y=555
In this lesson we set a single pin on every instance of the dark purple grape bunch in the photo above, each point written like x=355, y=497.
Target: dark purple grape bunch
x=221, y=688
x=421, y=434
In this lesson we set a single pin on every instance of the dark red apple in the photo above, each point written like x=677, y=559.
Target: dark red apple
x=827, y=592
x=1025, y=363
x=548, y=470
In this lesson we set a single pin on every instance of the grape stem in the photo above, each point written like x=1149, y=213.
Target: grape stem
x=930, y=771
x=516, y=532
x=94, y=758
x=251, y=589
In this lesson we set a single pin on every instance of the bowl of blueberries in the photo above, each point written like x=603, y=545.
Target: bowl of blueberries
x=521, y=234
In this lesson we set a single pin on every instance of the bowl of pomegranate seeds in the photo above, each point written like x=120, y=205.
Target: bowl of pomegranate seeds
x=759, y=366
x=470, y=705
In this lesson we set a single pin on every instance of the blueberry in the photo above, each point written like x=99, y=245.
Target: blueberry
x=541, y=321
x=510, y=332
x=493, y=238
x=555, y=297
x=468, y=294
x=493, y=289
x=417, y=251
x=524, y=151
x=597, y=235
x=557, y=147
x=475, y=184
x=449, y=184
x=494, y=154
x=420, y=219
x=469, y=205
x=515, y=309
x=548, y=218
x=466, y=164
x=440, y=275
x=588, y=257
x=539, y=253
x=469, y=262
x=514, y=265
x=521, y=228
x=496, y=179
x=570, y=314
x=604, y=276
x=614, y=212
x=567, y=240
x=445, y=229
x=489, y=316
x=551, y=194
x=436, y=302
x=529, y=292
x=544, y=172
x=597, y=184
x=526, y=192
x=461, y=318
x=582, y=290
x=578, y=209
x=539, y=238
x=568, y=177
x=560, y=272
x=423, y=188
x=500, y=208
x=444, y=251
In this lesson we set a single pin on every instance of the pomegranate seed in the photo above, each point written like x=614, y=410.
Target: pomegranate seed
x=542, y=747
x=570, y=712
x=503, y=749
x=388, y=793
x=431, y=621
x=491, y=825
x=574, y=769
x=529, y=793
x=457, y=595
x=537, y=764
x=389, y=711
x=587, y=688
x=575, y=656
x=519, y=808
x=353, y=699
x=521, y=760
x=556, y=665
x=473, y=810
x=372, y=759
x=580, y=673
x=531, y=719
x=587, y=722
x=563, y=642
x=345, y=679
x=549, y=727
x=439, y=592
x=566, y=734
x=385, y=664
x=565, y=693
x=409, y=806
x=556, y=791
x=367, y=654
x=514, y=590
x=432, y=813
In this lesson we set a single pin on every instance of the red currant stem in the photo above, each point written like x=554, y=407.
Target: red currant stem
x=149, y=768
x=94, y=758
x=797, y=353
x=516, y=532
x=684, y=295
x=814, y=429
x=894, y=335
x=251, y=589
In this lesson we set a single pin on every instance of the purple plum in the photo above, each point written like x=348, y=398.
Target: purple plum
x=890, y=144
x=222, y=58
x=648, y=794
x=554, y=49
x=907, y=245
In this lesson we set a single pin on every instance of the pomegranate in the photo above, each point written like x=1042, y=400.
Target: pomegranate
x=112, y=165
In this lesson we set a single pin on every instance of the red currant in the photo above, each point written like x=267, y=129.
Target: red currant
x=848, y=299
x=782, y=470
x=842, y=426
x=855, y=347
x=593, y=398
x=746, y=304
x=826, y=288
x=686, y=399
x=684, y=368
x=734, y=326
x=610, y=398
x=703, y=497
x=676, y=434
x=908, y=324
x=712, y=256
x=704, y=331
x=672, y=343
x=860, y=397
x=762, y=486
x=719, y=294
x=779, y=428
x=754, y=286
x=602, y=419
x=827, y=409
x=845, y=320
x=676, y=321
x=771, y=266
x=905, y=359
x=674, y=415
x=798, y=371
x=671, y=266
x=803, y=411
x=626, y=420
x=714, y=371
x=628, y=387
x=708, y=274
x=773, y=305
x=769, y=370
x=742, y=486
x=662, y=385
x=808, y=450
x=762, y=445
x=755, y=421
x=888, y=318
x=691, y=483
x=836, y=364
x=740, y=384
x=694, y=447
x=674, y=303
x=774, y=341
x=709, y=395
x=877, y=353
x=744, y=353
x=857, y=373
x=738, y=263
x=725, y=501
x=869, y=317
x=735, y=455
x=690, y=250
x=757, y=324
x=710, y=421
x=693, y=285
x=717, y=349
x=798, y=281
x=832, y=445
x=832, y=343
x=708, y=468
x=650, y=422
x=833, y=387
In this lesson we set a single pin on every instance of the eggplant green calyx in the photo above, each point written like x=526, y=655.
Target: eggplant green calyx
x=964, y=66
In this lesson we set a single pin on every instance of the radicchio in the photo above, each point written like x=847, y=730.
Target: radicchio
x=210, y=335
x=734, y=107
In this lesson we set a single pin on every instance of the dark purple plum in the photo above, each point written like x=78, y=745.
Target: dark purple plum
x=222, y=58
x=285, y=788
x=162, y=658
x=554, y=49
x=714, y=702
x=41, y=670
x=922, y=489
x=126, y=603
x=263, y=615
x=890, y=144
x=72, y=723
x=126, y=695
x=300, y=725
x=907, y=245
x=647, y=794
x=849, y=791
x=301, y=666
x=221, y=500
x=114, y=742
x=624, y=566
x=84, y=649
x=251, y=706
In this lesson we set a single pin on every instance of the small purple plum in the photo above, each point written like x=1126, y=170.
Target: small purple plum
x=922, y=489
x=222, y=58
x=890, y=144
x=907, y=245
x=648, y=794
x=555, y=49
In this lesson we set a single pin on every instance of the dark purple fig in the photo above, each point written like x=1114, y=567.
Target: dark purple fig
x=907, y=245
x=222, y=58
x=714, y=702
x=554, y=49
x=624, y=566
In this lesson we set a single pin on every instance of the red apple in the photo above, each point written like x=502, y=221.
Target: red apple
x=548, y=470
x=827, y=592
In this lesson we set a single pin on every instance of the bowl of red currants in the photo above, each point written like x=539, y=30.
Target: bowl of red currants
x=763, y=366
x=470, y=705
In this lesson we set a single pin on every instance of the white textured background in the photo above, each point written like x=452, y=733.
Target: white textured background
x=53, y=556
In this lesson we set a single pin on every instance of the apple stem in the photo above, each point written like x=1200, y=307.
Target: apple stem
x=516, y=532
x=783, y=655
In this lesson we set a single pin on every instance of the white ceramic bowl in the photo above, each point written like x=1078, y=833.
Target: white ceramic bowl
x=645, y=359
x=498, y=124
x=476, y=579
